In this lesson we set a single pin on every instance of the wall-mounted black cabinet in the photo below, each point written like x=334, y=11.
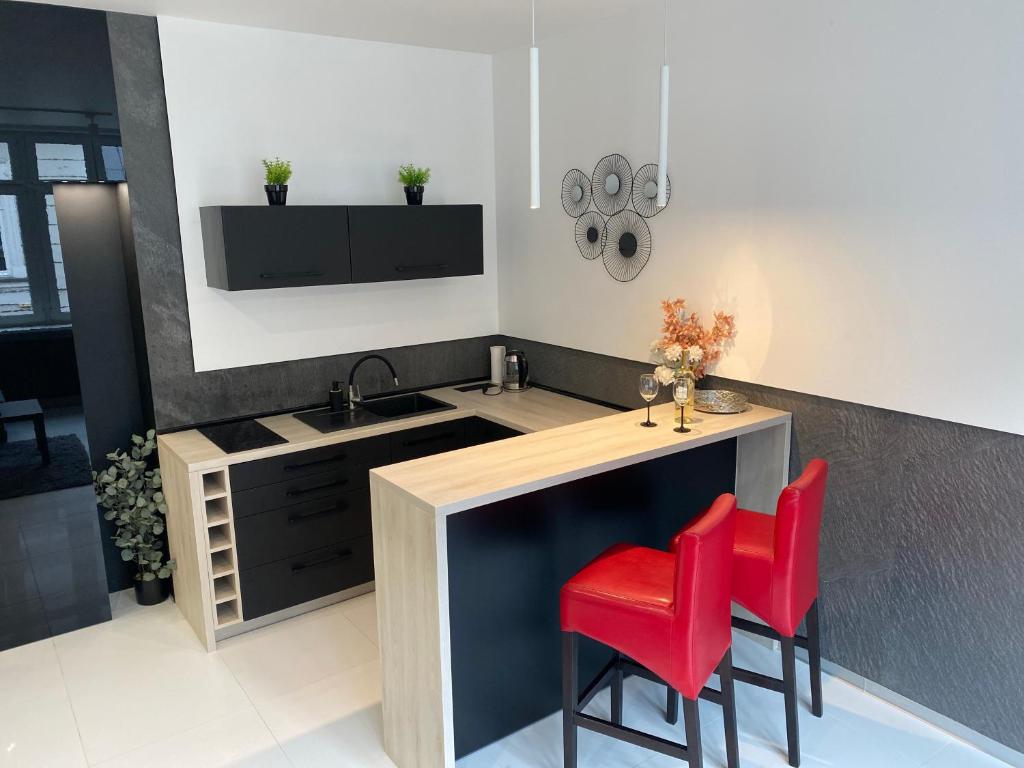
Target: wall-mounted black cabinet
x=253, y=247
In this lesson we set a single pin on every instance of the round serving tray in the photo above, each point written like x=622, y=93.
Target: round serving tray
x=719, y=401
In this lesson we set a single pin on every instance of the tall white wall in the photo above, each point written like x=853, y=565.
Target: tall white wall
x=848, y=179
x=346, y=113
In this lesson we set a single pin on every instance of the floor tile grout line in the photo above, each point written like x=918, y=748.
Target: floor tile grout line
x=71, y=703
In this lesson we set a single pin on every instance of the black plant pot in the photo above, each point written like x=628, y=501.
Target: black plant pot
x=151, y=592
x=277, y=194
x=414, y=195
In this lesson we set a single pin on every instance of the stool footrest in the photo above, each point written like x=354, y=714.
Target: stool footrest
x=637, y=738
x=758, y=679
x=763, y=630
x=632, y=668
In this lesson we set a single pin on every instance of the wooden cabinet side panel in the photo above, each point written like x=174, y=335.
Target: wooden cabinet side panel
x=186, y=540
x=408, y=612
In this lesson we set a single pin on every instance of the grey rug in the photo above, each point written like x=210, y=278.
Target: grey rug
x=22, y=472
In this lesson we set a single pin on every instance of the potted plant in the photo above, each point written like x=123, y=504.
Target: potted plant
x=277, y=172
x=130, y=493
x=413, y=179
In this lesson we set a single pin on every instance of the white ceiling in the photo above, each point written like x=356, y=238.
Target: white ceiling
x=469, y=25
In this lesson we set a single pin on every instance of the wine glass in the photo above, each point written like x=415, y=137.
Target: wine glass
x=648, y=391
x=681, y=394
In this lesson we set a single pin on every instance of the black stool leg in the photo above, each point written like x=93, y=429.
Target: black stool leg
x=570, y=696
x=814, y=659
x=40, y=428
x=789, y=691
x=617, y=691
x=691, y=721
x=672, y=706
x=732, y=739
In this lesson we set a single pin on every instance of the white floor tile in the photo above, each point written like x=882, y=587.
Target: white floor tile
x=42, y=735
x=960, y=755
x=135, y=680
x=29, y=672
x=241, y=740
x=362, y=611
x=333, y=722
x=284, y=657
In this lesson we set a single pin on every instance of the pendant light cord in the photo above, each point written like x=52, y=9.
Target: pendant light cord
x=665, y=25
x=533, y=22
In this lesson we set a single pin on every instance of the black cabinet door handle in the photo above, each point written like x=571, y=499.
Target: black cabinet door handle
x=284, y=275
x=414, y=267
x=425, y=440
x=300, y=567
x=321, y=487
x=305, y=464
x=334, y=509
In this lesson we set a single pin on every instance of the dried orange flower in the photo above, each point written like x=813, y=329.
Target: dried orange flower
x=684, y=329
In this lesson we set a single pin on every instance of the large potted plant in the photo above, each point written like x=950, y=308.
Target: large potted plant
x=130, y=493
x=277, y=172
x=414, y=180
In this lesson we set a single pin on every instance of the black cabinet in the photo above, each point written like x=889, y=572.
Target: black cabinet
x=252, y=246
x=373, y=452
x=413, y=242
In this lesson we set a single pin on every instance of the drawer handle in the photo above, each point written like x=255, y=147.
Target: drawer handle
x=282, y=275
x=431, y=439
x=323, y=486
x=414, y=267
x=305, y=464
x=300, y=567
x=334, y=509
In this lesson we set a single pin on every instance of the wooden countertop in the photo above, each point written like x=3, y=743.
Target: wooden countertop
x=531, y=411
x=471, y=477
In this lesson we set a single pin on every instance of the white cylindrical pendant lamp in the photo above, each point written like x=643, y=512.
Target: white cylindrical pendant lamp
x=534, y=127
x=663, y=141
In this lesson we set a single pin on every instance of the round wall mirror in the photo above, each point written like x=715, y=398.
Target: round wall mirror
x=651, y=190
x=577, y=193
x=612, y=184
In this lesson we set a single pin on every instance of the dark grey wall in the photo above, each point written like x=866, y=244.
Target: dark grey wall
x=922, y=544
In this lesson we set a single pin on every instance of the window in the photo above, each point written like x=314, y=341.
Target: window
x=33, y=286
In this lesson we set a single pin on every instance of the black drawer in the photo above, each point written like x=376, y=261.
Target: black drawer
x=325, y=485
x=426, y=441
x=479, y=431
x=290, y=531
x=371, y=452
x=294, y=580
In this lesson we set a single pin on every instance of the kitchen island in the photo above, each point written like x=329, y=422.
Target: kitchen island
x=471, y=547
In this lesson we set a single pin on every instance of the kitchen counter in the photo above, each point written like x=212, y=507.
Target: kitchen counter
x=530, y=411
x=480, y=537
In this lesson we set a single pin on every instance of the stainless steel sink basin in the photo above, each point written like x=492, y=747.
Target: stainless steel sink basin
x=397, y=406
x=372, y=412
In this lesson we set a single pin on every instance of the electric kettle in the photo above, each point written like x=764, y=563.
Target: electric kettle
x=517, y=372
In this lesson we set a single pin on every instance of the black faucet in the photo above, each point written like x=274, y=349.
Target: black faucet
x=353, y=390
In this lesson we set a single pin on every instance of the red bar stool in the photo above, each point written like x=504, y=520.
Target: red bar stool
x=666, y=616
x=775, y=577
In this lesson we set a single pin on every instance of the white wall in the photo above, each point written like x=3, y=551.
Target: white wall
x=848, y=179
x=346, y=113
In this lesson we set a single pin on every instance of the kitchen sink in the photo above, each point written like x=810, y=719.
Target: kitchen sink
x=397, y=406
x=372, y=411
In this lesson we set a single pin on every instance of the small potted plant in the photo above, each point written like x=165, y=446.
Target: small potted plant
x=413, y=179
x=277, y=172
x=130, y=493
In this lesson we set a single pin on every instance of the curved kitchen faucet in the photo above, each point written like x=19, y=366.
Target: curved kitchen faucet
x=353, y=389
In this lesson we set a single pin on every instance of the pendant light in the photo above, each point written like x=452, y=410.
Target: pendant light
x=534, y=111
x=662, y=199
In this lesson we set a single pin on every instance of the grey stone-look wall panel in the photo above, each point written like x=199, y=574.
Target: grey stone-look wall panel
x=922, y=545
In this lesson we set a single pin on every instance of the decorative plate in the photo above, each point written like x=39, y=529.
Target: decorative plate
x=719, y=401
x=589, y=228
x=645, y=191
x=612, y=184
x=627, y=245
x=575, y=192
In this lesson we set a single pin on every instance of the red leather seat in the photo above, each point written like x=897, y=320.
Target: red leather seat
x=775, y=577
x=669, y=613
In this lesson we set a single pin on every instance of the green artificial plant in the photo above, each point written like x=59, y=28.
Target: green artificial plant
x=278, y=171
x=131, y=496
x=411, y=176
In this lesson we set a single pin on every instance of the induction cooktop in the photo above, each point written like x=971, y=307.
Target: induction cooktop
x=244, y=435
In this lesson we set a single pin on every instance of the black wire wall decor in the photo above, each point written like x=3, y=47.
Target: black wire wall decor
x=589, y=231
x=623, y=239
x=575, y=192
x=612, y=184
x=645, y=191
x=627, y=245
